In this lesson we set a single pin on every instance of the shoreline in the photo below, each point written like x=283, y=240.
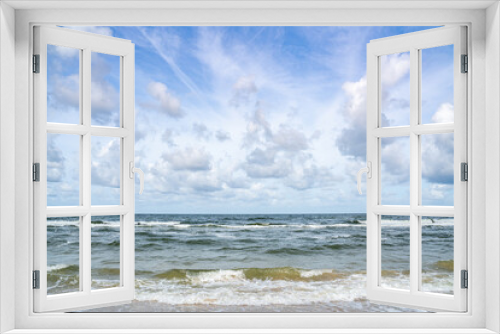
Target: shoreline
x=360, y=305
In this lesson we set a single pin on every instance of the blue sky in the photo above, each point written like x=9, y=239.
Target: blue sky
x=251, y=119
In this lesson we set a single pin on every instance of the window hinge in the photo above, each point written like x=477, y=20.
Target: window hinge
x=465, y=279
x=464, y=170
x=36, y=63
x=36, y=172
x=36, y=279
x=465, y=64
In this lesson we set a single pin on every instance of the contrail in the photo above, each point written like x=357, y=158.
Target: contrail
x=177, y=71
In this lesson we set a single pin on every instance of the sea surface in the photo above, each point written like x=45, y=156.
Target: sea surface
x=250, y=263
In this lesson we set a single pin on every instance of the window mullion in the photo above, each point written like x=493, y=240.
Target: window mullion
x=85, y=245
x=414, y=171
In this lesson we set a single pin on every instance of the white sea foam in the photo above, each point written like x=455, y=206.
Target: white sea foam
x=232, y=288
x=57, y=267
x=219, y=276
x=157, y=223
x=63, y=222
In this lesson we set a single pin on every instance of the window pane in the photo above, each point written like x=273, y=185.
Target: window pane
x=63, y=255
x=105, y=251
x=437, y=254
x=395, y=89
x=63, y=84
x=105, y=91
x=395, y=171
x=437, y=85
x=63, y=170
x=437, y=169
x=395, y=246
x=106, y=171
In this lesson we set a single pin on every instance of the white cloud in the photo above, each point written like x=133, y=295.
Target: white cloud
x=289, y=139
x=105, y=162
x=262, y=157
x=168, y=137
x=66, y=52
x=394, y=67
x=444, y=114
x=312, y=177
x=64, y=91
x=243, y=90
x=192, y=159
x=168, y=103
x=437, y=158
x=395, y=158
x=166, y=44
x=222, y=135
x=277, y=170
x=105, y=101
x=55, y=161
x=352, y=139
x=201, y=131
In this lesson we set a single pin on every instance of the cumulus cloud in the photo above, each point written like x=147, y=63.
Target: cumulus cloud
x=204, y=183
x=168, y=137
x=55, y=162
x=66, y=52
x=444, y=114
x=243, y=90
x=311, y=177
x=262, y=157
x=105, y=89
x=395, y=158
x=192, y=159
x=222, y=135
x=352, y=139
x=437, y=158
x=289, y=139
x=166, y=102
x=394, y=67
x=277, y=170
x=258, y=129
x=63, y=92
x=201, y=131
x=105, y=169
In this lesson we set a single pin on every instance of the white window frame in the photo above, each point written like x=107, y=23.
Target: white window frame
x=414, y=43
x=483, y=211
x=86, y=44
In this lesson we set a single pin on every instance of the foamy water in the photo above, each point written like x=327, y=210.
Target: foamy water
x=235, y=263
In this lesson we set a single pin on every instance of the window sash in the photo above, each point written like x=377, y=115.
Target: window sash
x=413, y=43
x=86, y=297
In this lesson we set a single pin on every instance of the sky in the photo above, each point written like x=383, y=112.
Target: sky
x=250, y=120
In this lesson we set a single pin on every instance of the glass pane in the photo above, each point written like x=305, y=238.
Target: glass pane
x=437, y=254
x=395, y=246
x=437, y=169
x=395, y=89
x=105, y=252
x=437, y=85
x=63, y=255
x=395, y=171
x=63, y=170
x=63, y=84
x=105, y=91
x=105, y=171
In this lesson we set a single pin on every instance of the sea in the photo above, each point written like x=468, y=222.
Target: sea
x=250, y=263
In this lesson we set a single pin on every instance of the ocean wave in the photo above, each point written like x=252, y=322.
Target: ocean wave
x=156, y=223
x=245, y=286
x=250, y=226
x=266, y=286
